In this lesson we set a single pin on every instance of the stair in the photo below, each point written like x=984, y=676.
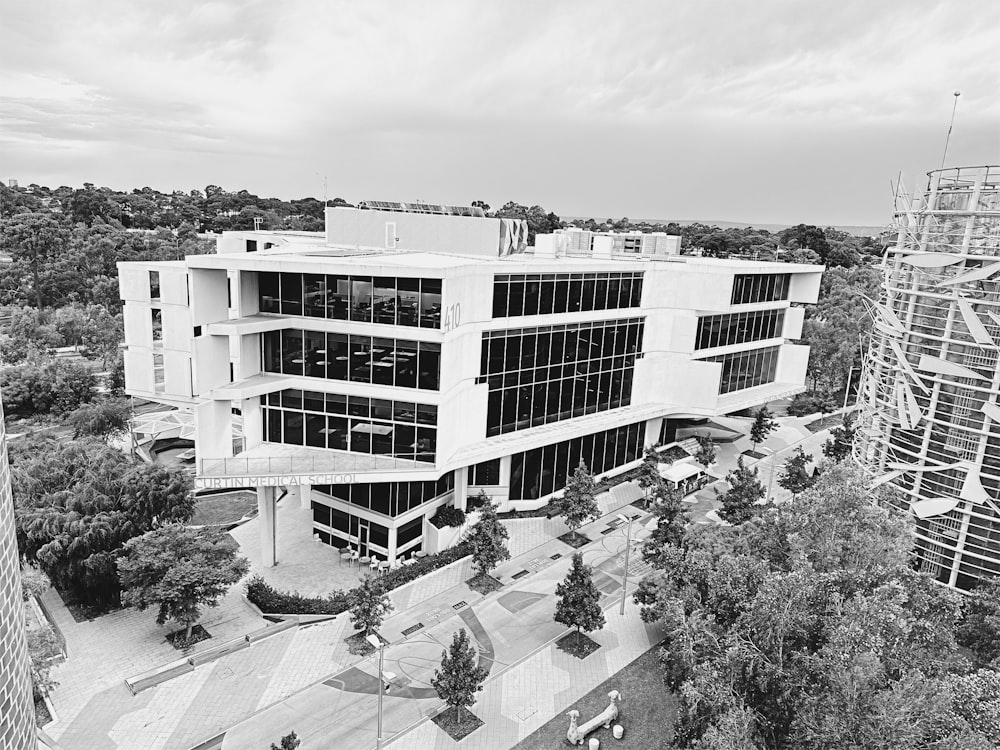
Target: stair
x=690, y=445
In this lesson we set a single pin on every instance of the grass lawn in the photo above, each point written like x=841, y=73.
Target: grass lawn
x=646, y=711
x=224, y=508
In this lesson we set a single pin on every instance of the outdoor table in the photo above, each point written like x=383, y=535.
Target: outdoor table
x=345, y=556
x=365, y=560
x=421, y=554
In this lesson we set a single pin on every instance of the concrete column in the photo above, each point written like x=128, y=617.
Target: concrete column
x=461, y=487
x=392, y=544
x=267, y=516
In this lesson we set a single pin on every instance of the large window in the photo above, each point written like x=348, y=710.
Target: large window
x=485, y=474
x=387, y=498
x=738, y=328
x=379, y=299
x=542, y=294
x=360, y=359
x=760, y=287
x=542, y=471
x=743, y=370
x=542, y=375
x=351, y=423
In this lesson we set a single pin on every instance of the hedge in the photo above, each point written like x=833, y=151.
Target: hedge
x=271, y=601
x=448, y=515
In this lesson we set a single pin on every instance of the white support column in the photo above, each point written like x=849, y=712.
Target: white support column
x=267, y=516
x=461, y=487
x=392, y=544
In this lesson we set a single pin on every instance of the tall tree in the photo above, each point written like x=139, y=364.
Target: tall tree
x=179, y=570
x=459, y=678
x=107, y=418
x=706, y=450
x=578, y=602
x=796, y=477
x=34, y=242
x=745, y=490
x=369, y=605
x=649, y=470
x=577, y=503
x=763, y=425
x=841, y=440
x=670, y=518
x=488, y=539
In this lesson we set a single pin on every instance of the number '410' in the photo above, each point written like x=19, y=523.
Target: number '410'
x=452, y=317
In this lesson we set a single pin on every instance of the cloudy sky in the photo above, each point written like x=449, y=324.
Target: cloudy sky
x=768, y=111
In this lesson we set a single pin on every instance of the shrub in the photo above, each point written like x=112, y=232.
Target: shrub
x=810, y=402
x=270, y=600
x=448, y=515
x=39, y=389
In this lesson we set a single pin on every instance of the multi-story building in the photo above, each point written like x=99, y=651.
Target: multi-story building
x=17, y=709
x=407, y=359
x=930, y=421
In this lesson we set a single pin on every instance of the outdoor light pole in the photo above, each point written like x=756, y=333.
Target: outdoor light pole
x=628, y=547
x=377, y=643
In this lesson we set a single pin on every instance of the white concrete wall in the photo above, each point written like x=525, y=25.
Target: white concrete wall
x=794, y=318
x=211, y=363
x=209, y=296
x=468, y=235
x=792, y=362
x=804, y=287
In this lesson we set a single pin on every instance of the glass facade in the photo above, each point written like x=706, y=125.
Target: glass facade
x=760, y=287
x=542, y=471
x=370, y=299
x=400, y=429
x=388, y=498
x=742, y=370
x=542, y=294
x=486, y=474
x=546, y=374
x=359, y=359
x=738, y=328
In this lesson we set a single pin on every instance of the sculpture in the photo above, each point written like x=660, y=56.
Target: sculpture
x=576, y=734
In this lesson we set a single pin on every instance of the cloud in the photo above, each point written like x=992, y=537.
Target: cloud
x=265, y=93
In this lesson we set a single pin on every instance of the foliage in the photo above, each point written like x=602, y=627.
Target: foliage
x=271, y=601
x=448, y=515
x=648, y=475
x=42, y=647
x=488, y=540
x=577, y=504
x=290, y=741
x=369, y=604
x=54, y=387
x=838, y=446
x=807, y=628
x=76, y=503
x=979, y=630
x=459, y=677
x=706, y=450
x=106, y=418
x=478, y=501
x=33, y=581
x=578, y=602
x=744, y=491
x=668, y=510
x=763, y=425
x=539, y=222
x=796, y=477
x=810, y=402
x=180, y=570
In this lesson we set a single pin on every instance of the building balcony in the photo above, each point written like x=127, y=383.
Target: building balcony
x=273, y=464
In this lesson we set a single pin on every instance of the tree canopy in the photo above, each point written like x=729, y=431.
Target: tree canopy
x=578, y=503
x=179, y=570
x=807, y=628
x=459, y=678
x=488, y=538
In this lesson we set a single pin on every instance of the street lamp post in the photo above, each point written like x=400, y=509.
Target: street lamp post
x=628, y=547
x=377, y=643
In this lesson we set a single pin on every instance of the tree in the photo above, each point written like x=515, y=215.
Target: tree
x=806, y=627
x=579, y=601
x=979, y=630
x=796, y=477
x=459, y=678
x=369, y=605
x=706, y=450
x=34, y=242
x=668, y=510
x=488, y=539
x=744, y=491
x=77, y=502
x=180, y=570
x=763, y=425
x=577, y=503
x=290, y=741
x=106, y=418
x=649, y=470
x=42, y=648
x=838, y=447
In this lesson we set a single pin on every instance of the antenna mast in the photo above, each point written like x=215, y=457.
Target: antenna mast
x=950, y=126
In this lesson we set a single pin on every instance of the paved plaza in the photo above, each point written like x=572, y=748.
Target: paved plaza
x=305, y=680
